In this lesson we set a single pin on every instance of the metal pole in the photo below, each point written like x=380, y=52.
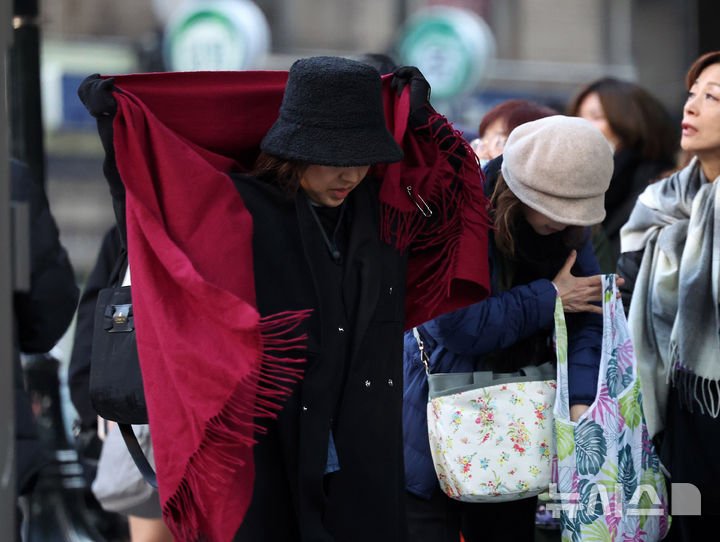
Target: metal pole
x=7, y=414
x=26, y=127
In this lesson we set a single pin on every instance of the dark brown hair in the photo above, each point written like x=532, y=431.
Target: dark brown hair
x=699, y=65
x=507, y=213
x=514, y=113
x=638, y=118
x=285, y=174
x=708, y=59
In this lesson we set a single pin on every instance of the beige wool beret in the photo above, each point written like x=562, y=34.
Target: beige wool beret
x=561, y=167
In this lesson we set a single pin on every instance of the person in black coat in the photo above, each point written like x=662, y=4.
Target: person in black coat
x=144, y=520
x=638, y=127
x=41, y=314
x=110, y=252
x=330, y=467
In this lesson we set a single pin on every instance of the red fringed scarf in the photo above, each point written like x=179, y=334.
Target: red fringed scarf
x=210, y=362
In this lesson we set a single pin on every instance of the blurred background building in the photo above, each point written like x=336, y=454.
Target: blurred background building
x=540, y=49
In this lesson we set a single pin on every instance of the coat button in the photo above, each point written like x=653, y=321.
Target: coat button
x=367, y=383
x=341, y=329
x=390, y=382
x=304, y=407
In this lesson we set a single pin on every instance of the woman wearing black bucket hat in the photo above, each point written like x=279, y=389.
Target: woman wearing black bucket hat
x=361, y=215
x=327, y=136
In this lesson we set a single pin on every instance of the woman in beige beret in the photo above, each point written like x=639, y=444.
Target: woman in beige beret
x=547, y=189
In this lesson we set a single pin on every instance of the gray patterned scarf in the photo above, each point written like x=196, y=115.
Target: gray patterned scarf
x=674, y=317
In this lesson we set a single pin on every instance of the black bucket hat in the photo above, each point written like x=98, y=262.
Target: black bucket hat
x=332, y=115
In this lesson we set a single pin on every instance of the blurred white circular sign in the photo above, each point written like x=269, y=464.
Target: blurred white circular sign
x=453, y=47
x=163, y=9
x=216, y=35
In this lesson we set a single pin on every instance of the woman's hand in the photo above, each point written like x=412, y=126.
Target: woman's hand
x=419, y=87
x=95, y=93
x=577, y=293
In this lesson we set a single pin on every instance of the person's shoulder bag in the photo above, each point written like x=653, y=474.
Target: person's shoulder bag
x=116, y=386
x=490, y=433
x=608, y=481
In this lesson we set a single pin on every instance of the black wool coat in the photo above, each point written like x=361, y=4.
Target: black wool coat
x=631, y=175
x=352, y=387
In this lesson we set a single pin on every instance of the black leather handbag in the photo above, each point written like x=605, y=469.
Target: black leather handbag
x=116, y=386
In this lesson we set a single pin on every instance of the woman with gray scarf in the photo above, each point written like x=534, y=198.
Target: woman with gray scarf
x=671, y=263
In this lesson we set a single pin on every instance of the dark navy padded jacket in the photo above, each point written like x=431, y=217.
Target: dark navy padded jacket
x=460, y=340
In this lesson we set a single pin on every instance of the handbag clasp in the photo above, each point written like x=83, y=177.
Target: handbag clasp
x=122, y=321
x=423, y=355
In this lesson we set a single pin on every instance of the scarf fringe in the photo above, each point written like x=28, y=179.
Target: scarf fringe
x=452, y=190
x=259, y=394
x=693, y=389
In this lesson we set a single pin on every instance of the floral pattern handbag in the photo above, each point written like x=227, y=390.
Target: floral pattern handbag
x=609, y=484
x=491, y=434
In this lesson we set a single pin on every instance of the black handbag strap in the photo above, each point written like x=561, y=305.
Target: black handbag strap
x=131, y=442
x=118, y=271
x=137, y=454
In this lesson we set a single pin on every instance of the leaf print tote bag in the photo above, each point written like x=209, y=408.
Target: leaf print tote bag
x=491, y=435
x=607, y=485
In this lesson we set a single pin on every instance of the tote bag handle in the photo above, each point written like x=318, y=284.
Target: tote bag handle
x=611, y=305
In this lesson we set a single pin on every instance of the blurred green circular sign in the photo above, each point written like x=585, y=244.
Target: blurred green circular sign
x=216, y=35
x=453, y=47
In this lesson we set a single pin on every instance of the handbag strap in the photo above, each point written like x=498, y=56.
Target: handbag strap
x=611, y=305
x=137, y=454
x=611, y=302
x=118, y=271
x=562, y=400
x=532, y=372
x=423, y=354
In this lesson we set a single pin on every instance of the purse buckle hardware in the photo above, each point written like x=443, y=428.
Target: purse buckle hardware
x=421, y=347
x=122, y=320
x=425, y=209
x=424, y=358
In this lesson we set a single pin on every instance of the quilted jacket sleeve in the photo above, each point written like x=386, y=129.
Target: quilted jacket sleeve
x=498, y=322
x=510, y=316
